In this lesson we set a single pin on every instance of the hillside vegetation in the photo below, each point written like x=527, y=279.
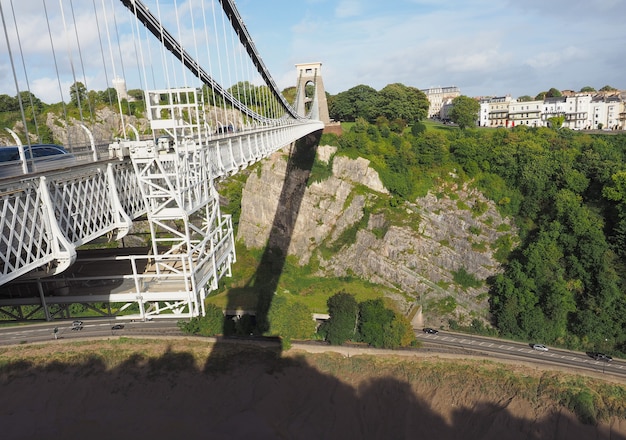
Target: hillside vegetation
x=563, y=282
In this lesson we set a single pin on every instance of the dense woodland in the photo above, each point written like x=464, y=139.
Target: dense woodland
x=566, y=190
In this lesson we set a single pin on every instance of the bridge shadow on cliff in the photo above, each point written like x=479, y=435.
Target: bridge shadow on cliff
x=264, y=282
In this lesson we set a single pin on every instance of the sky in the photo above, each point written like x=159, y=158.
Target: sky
x=484, y=47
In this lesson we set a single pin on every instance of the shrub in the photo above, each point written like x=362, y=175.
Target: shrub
x=466, y=279
x=209, y=325
x=343, y=310
x=290, y=320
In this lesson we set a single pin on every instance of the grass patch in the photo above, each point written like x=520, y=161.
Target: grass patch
x=465, y=279
x=442, y=306
x=480, y=246
x=295, y=282
x=475, y=230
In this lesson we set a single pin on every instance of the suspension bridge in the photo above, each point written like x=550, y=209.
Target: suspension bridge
x=213, y=109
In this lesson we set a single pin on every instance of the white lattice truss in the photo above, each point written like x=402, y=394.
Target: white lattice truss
x=45, y=219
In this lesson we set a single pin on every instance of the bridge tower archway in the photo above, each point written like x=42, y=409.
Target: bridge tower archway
x=312, y=73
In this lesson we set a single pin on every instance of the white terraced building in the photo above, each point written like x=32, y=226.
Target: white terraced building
x=581, y=111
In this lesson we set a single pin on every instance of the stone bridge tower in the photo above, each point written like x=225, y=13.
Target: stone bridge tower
x=309, y=73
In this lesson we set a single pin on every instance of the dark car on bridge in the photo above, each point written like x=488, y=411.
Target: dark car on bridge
x=431, y=331
x=12, y=153
x=41, y=157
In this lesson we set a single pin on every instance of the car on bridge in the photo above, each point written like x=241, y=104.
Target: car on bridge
x=539, y=347
x=77, y=325
x=42, y=157
x=431, y=331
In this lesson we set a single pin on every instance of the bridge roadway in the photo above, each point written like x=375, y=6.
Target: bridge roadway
x=455, y=345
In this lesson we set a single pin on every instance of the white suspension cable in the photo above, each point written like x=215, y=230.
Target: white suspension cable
x=140, y=64
x=208, y=52
x=56, y=66
x=163, y=53
x=219, y=57
x=185, y=84
x=119, y=101
x=104, y=66
x=119, y=49
x=71, y=61
x=80, y=57
x=30, y=95
x=17, y=88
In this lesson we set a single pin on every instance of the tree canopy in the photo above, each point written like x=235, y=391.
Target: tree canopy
x=343, y=311
x=464, y=111
x=394, y=101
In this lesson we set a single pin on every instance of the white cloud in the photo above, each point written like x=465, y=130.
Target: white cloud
x=348, y=8
x=548, y=60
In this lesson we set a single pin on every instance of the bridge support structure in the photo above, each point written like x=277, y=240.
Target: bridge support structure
x=191, y=244
x=311, y=74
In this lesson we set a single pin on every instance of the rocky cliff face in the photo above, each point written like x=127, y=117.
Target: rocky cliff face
x=452, y=229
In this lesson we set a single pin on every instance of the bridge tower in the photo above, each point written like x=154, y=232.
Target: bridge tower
x=311, y=74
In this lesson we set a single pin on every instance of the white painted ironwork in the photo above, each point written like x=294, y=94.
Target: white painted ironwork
x=46, y=220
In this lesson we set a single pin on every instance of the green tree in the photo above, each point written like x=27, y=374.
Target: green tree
x=31, y=103
x=8, y=104
x=108, y=96
x=525, y=98
x=556, y=122
x=431, y=148
x=136, y=94
x=587, y=89
x=553, y=93
x=398, y=333
x=608, y=88
x=418, y=128
x=358, y=102
x=374, y=321
x=78, y=93
x=398, y=101
x=290, y=94
x=464, y=111
x=340, y=327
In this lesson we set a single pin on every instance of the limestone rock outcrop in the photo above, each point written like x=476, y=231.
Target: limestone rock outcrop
x=452, y=228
